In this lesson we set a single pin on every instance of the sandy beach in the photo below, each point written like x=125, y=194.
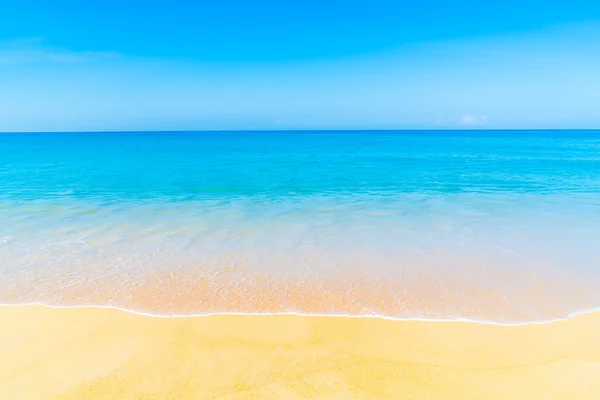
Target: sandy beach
x=93, y=353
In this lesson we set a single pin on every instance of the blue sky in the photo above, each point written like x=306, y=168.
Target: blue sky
x=186, y=65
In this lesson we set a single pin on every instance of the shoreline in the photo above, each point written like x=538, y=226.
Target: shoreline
x=316, y=315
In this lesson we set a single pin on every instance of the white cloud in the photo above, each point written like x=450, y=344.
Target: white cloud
x=33, y=50
x=469, y=120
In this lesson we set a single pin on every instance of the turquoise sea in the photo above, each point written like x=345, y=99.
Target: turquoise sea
x=486, y=225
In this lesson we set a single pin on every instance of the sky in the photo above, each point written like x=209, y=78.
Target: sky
x=312, y=64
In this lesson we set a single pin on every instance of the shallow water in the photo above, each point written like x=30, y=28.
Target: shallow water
x=482, y=225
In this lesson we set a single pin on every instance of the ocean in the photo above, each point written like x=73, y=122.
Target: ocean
x=499, y=226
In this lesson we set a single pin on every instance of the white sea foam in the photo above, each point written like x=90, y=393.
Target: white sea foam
x=441, y=320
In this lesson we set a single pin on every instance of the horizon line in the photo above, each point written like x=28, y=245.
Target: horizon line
x=307, y=130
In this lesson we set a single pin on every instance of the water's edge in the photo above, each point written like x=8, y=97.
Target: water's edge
x=373, y=316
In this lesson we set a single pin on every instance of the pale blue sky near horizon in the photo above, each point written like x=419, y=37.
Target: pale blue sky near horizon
x=204, y=65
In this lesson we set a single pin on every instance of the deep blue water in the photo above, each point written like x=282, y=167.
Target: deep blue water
x=194, y=165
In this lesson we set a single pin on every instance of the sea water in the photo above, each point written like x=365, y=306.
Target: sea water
x=486, y=225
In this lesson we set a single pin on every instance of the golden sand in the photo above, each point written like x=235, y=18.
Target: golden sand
x=92, y=353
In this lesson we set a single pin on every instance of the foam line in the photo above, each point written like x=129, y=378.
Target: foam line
x=377, y=316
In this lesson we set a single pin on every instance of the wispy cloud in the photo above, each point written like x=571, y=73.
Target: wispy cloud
x=469, y=120
x=34, y=50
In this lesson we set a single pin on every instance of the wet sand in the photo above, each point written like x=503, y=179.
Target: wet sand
x=93, y=353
